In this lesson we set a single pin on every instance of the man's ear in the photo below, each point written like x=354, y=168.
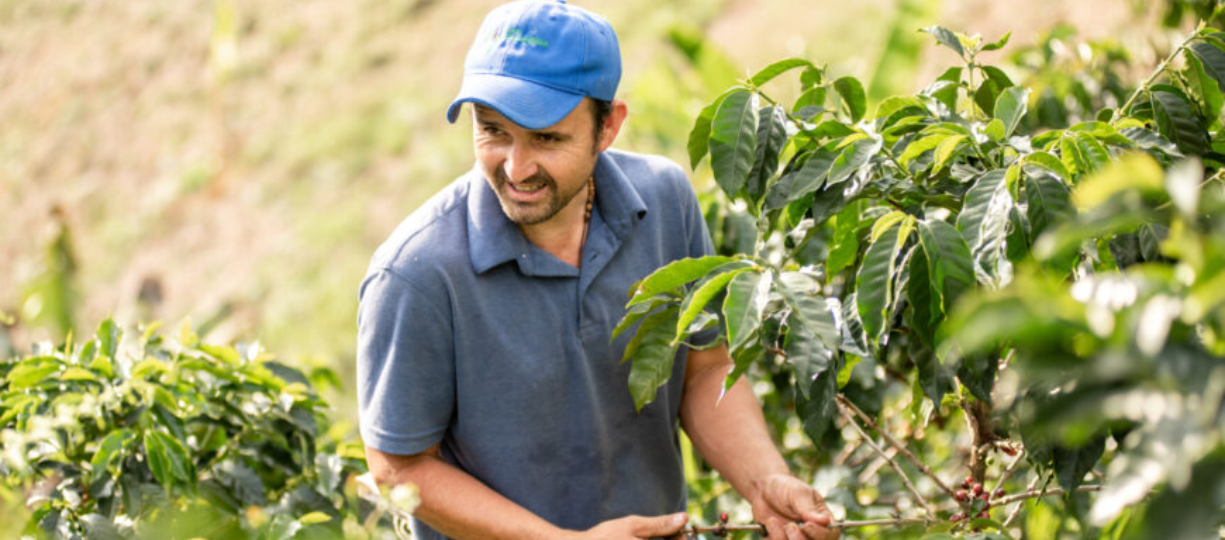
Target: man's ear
x=612, y=125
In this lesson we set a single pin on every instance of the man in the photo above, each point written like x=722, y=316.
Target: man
x=486, y=373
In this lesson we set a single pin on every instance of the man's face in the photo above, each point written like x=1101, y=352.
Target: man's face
x=535, y=173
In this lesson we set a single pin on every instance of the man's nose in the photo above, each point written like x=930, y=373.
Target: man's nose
x=520, y=163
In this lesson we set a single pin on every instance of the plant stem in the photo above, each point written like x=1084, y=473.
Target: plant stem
x=1035, y=493
x=721, y=530
x=871, y=444
x=1012, y=467
x=1012, y=516
x=1118, y=113
x=894, y=442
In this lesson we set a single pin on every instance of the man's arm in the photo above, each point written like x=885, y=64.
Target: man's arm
x=731, y=435
x=461, y=507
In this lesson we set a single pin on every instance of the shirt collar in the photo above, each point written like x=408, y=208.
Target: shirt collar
x=493, y=239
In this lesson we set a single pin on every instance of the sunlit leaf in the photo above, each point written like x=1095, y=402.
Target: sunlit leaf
x=733, y=140
x=946, y=37
x=1010, y=107
x=852, y=94
x=701, y=295
x=746, y=299
x=852, y=159
x=773, y=70
x=674, y=275
x=1135, y=171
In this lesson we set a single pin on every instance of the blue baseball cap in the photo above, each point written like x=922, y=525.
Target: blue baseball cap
x=534, y=61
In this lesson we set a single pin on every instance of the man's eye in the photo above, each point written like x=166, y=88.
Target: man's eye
x=548, y=138
x=492, y=130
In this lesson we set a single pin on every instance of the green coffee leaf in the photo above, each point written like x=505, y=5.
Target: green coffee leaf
x=874, y=284
x=778, y=68
x=807, y=354
x=1104, y=133
x=798, y=184
x=846, y=239
x=1203, y=87
x=852, y=93
x=771, y=136
x=946, y=37
x=676, y=274
x=1072, y=464
x=946, y=88
x=898, y=103
x=653, y=354
x=813, y=97
x=815, y=314
x=1178, y=123
x=977, y=373
x=1149, y=140
x=733, y=140
x=983, y=222
x=1096, y=156
x=701, y=295
x=109, y=335
x=699, y=136
x=1135, y=171
x=168, y=459
x=816, y=407
x=998, y=44
x=853, y=158
x=1049, y=203
x=946, y=151
x=919, y=146
x=1049, y=162
x=747, y=295
x=1072, y=154
x=950, y=264
x=110, y=449
x=1010, y=107
x=33, y=371
x=995, y=130
x=1212, y=61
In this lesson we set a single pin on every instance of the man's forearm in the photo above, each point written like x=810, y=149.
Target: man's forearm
x=458, y=505
x=731, y=436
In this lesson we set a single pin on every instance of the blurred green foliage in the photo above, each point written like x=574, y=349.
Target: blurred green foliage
x=156, y=438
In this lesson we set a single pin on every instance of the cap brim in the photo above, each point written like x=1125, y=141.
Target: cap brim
x=525, y=103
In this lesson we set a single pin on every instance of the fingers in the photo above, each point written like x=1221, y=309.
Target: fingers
x=650, y=527
x=813, y=531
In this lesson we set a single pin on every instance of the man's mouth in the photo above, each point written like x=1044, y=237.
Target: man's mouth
x=529, y=187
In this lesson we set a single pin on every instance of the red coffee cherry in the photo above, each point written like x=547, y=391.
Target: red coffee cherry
x=723, y=517
x=999, y=493
x=956, y=517
x=978, y=489
x=961, y=495
x=984, y=514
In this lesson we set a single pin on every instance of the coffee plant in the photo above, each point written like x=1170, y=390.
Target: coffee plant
x=1011, y=328
x=159, y=438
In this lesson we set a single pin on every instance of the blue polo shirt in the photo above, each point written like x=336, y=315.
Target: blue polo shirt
x=472, y=337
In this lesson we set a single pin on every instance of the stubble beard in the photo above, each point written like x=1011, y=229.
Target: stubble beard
x=532, y=213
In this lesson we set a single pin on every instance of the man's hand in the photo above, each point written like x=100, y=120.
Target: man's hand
x=784, y=500
x=637, y=528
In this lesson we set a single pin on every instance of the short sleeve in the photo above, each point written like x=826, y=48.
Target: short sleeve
x=405, y=364
x=700, y=245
